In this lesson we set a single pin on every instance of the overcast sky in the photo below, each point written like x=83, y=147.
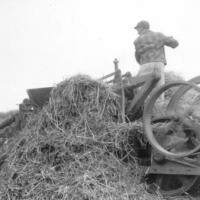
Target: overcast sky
x=44, y=41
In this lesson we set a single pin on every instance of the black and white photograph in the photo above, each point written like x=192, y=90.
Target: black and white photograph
x=100, y=100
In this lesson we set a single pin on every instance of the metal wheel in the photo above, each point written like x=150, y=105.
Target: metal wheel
x=180, y=92
x=170, y=185
x=147, y=121
x=172, y=122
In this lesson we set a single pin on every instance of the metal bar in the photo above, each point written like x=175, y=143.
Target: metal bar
x=110, y=81
x=134, y=82
x=171, y=167
x=116, y=64
x=122, y=97
x=117, y=77
x=182, y=162
x=107, y=76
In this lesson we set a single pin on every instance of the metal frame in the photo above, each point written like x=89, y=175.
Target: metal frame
x=147, y=84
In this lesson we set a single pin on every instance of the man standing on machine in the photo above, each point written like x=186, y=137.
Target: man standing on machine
x=150, y=52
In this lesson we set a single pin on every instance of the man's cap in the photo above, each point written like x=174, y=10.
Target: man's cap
x=143, y=24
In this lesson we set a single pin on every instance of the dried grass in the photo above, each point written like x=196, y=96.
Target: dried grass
x=74, y=148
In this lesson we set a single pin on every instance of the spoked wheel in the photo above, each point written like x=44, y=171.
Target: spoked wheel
x=173, y=117
x=170, y=185
x=172, y=139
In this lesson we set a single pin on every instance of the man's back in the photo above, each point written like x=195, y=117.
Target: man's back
x=150, y=47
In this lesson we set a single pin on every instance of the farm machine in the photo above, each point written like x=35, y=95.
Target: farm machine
x=173, y=134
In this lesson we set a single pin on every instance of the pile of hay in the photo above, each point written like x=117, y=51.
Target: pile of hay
x=74, y=148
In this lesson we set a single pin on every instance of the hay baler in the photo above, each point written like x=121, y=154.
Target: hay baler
x=173, y=134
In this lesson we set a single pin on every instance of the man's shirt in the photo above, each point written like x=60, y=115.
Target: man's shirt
x=149, y=47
